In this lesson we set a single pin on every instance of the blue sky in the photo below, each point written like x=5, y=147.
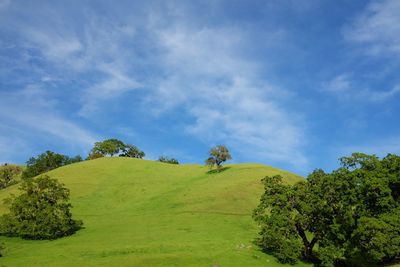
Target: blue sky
x=288, y=83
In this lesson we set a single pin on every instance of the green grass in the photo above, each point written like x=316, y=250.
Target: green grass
x=145, y=213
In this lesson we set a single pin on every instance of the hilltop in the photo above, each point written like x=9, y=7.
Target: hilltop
x=145, y=213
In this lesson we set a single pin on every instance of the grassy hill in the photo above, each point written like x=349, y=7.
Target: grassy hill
x=146, y=213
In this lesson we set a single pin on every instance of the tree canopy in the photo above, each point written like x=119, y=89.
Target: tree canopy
x=218, y=155
x=45, y=162
x=8, y=173
x=132, y=152
x=42, y=211
x=111, y=147
x=352, y=214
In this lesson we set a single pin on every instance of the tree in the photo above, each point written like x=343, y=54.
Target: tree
x=218, y=155
x=168, y=160
x=8, y=173
x=352, y=214
x=109, y=147
x=42, y=211
x=45, y=162
x=132, y=152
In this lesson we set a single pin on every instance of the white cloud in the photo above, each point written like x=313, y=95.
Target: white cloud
x=114, y=84
x=338, y=84
x=378, y=28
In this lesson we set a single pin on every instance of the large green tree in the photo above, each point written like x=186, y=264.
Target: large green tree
x=218, y=155
x=352, y=214
x=42, y=211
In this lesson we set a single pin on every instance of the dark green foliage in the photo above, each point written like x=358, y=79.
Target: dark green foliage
x=111, y=147
x=8, y=173
x=168, y=160
x=1, y=249
x=353, y=214
x=45, y=162
x=42, y=211
x=218, y=155
x=132, y=152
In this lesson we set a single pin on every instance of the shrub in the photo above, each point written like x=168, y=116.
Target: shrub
x=168, y=160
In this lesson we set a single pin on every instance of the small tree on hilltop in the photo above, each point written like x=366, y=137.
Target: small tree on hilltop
x=218, y=155
x=42, y=211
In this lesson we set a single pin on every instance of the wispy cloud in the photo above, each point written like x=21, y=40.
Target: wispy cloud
x=377, y=28
x=344, y=87
x=226, y=96
x=35, y=114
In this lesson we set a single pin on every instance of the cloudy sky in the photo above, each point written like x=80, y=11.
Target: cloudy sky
x=293, y=84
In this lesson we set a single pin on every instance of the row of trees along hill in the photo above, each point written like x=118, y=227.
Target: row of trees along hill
x=349, y=217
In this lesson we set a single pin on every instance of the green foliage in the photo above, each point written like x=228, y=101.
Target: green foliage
x=45, y=162
x=352, y=213
x=111, y=147
x=42, y=211
x=8, y=173
x=132, y=152
x=168, y=160
x=95, y=155
x=218, y=155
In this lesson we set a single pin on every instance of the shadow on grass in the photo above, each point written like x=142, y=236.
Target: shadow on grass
x=218, y=171
x=313, y=262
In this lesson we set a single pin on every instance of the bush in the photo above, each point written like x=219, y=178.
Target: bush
x=42, y=211
x=8, y=173
x=168, y=160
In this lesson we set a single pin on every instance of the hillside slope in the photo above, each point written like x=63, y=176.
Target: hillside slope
x=146, y=213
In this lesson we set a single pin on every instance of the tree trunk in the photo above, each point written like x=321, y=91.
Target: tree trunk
x=308, y=246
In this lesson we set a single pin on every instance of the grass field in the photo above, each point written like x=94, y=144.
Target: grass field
x=146, y=213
